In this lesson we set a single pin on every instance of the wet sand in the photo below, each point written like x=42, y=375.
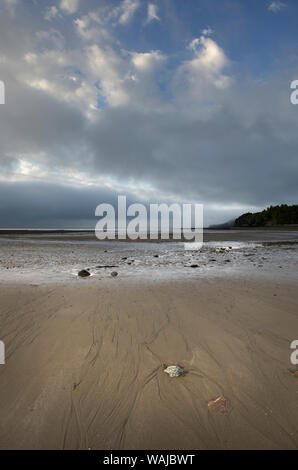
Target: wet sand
x=84, y=364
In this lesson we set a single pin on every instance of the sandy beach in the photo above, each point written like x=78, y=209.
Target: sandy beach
x=85, y=360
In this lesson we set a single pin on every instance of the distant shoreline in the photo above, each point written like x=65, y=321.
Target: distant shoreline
x=30, y=231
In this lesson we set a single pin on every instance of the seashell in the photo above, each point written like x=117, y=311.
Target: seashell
x=174, y=371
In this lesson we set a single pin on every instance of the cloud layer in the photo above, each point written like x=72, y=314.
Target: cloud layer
x=86, y=115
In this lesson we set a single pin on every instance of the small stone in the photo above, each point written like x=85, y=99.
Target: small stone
x=294, y=373
x=194, y=265
x=83, y=273
x=124, y=258
x=114, y=274
x=220, y=405
x=174, y=371
x=156, y=256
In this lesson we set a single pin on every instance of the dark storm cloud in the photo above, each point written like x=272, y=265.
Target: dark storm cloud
x=37, y=205
x=240, y=154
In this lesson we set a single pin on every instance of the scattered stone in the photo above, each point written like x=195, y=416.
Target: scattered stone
x=83, y=273
x=221, y=250
x=294, y=373
x=220, y=405
x=156, y=256
x=227, y=260
x=194, y=265
x=174, y=371
x=114, y=274
x=124, y=258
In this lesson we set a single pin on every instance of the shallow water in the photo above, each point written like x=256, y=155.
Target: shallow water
x=38, y=259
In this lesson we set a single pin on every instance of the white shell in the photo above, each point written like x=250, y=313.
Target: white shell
x=174, y=371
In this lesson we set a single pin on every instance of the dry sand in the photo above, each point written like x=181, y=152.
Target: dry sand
x=84, y=365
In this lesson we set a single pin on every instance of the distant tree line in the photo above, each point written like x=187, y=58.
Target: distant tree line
x=277, y=215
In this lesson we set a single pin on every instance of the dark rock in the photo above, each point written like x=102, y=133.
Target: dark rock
x=114, y=274
x=83, y=273
x=194, y=265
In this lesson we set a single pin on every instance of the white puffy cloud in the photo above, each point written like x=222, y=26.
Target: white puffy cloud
x=147, y=61
x=207, y=31
x=110, y=71
x=204, y=72
x=194, y=44
x=127, y=10
x=54, y=73
x=209, y=56
x=276, y=6
x=69, y=6
x=152, y=13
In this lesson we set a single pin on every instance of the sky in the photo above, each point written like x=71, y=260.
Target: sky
x=162, y=101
